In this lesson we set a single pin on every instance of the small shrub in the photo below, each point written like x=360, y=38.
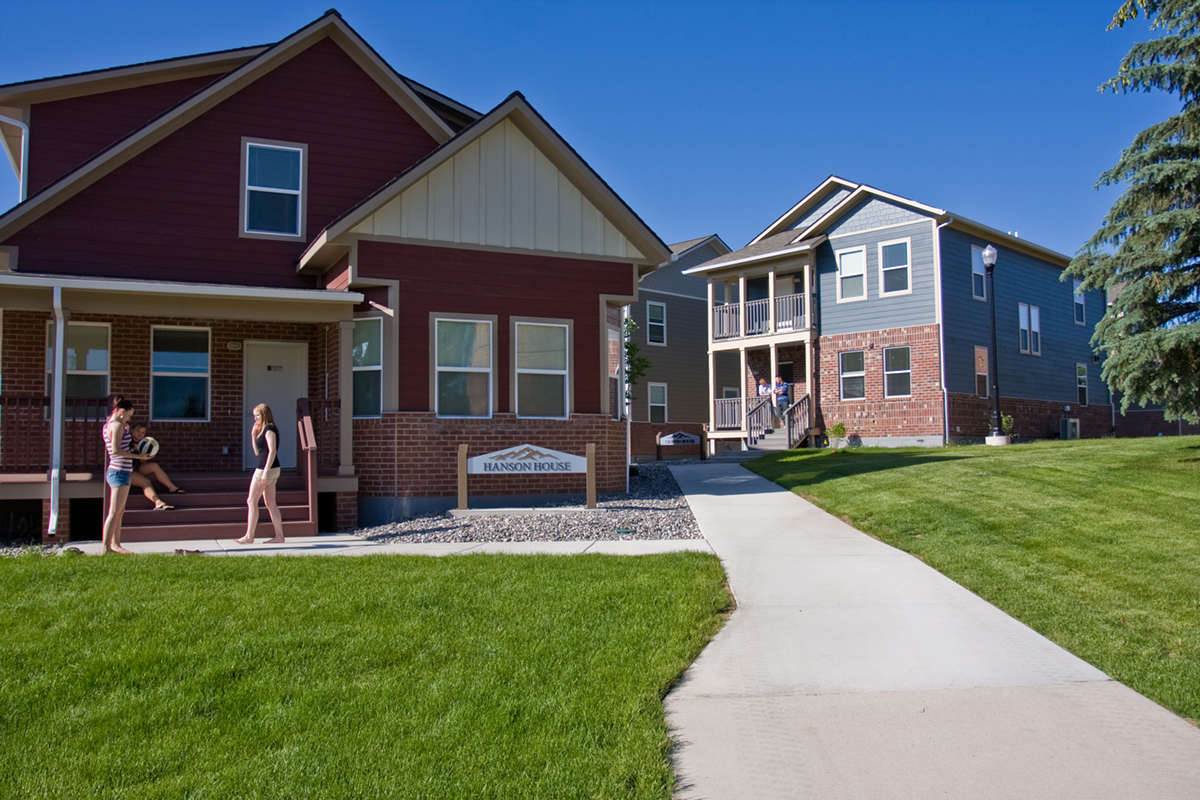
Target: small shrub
x=1006, y=424
x=837, y=435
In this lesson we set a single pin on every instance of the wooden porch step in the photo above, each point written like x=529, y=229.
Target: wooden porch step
x=148, y=517
x=138, y=502
x=226, y=482
x=214, y=530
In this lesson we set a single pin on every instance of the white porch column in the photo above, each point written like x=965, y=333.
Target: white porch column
x=745, y=392
x=808, y=387
x=774, y=368
x=58, y=408
x=742, y=306
x=711, y=311
x=346, y=397
x=712, y=390
x=808, y=295
x=771, y=311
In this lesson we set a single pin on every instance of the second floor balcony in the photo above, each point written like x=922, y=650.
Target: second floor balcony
x=754, y=317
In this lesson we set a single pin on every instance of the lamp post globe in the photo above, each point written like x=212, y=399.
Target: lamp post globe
x=989, y=263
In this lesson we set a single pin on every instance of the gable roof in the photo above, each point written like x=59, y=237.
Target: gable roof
x=832, y=183
x=636, y=243
x=679, y=249
x=329, y=25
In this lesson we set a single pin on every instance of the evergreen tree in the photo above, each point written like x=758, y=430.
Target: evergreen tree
x=1147, y=251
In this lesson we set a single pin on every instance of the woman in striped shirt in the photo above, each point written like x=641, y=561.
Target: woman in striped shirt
x=119, y=474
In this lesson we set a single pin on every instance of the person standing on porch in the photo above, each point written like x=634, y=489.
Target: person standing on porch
x=119, y=473
x=265, y=438
x=764, y=390
x=781, y=392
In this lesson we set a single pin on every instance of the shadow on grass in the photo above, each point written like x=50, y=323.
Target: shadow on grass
x=803, y=467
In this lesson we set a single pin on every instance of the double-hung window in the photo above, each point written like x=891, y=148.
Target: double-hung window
x=179, y=374
x=895, y=267
x=897, y=372
x=1081, y=380
x=273, y=191
x=853, y=374
x=658, y=402
x=87, y=364
x=852, y=274
x=656, y=323
x=1080, y=309
x=463, y=367
x=542, y=370
x=1030, y=322
x=981, y=371
x=978, y=274
x=367, y=367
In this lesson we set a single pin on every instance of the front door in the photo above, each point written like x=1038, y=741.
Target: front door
x=275, y=373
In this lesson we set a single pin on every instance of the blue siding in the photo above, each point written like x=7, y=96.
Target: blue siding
x=873, y=212
x=1019, y=278
x=821, y=209
x=876, y=313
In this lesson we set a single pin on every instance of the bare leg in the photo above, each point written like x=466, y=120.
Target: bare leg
x=157, y=472
x=112, y=523
x=143, y=483
x=276, y=517
x=256, y=491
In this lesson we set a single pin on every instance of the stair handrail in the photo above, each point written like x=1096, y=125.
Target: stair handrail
x=799, y=417
x=306, y=451
x=756, y=420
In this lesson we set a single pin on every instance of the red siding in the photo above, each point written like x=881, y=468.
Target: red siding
x=507, y=284
x=65, y=133
x=172, y=212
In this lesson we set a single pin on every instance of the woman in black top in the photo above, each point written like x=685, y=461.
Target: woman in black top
x=265, y=438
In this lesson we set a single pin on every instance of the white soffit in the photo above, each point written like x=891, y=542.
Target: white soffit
x=500, y=191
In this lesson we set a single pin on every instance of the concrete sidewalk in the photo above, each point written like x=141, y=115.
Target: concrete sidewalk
x=344, y=544
x=852, y=670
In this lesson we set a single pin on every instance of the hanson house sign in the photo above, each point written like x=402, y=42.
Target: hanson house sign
x=526, y=459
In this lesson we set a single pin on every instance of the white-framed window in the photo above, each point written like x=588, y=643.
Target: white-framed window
x=851, y=274
x=897, y=372
x=367, y=367
x=895, y=267
x=273, y=180
x=1081, y=380
x=730, y=392
x=981, y=372
x=658, y=402
x=656, y=322
x=87, y=363
x=852, y=372
x=463, y=367
x=1029, y=320
x=1080, y=305
x=542, y=370
x=180, y=368
x=978, y=274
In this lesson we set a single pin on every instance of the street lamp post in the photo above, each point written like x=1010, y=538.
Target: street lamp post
x=989, y=262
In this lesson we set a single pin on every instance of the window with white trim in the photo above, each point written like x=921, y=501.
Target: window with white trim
x=897, y=372
x=273, y=200
x=542, y=370
x=1080, y=309
x=658, y=402
x=463, y=368
x=895, y=267
x=852, y=374
x=981, y=371
x=978, y=274
x=367, y=367
x=656, y=323
x=179, y=374
x=1029, y=320
x=1081, y=381
x=87, y=363
x=852, y=274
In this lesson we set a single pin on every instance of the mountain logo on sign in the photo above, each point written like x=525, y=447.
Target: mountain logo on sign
x=524, y=454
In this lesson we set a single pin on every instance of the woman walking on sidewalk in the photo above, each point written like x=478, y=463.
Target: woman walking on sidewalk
x=265, y=438
x=119, y=473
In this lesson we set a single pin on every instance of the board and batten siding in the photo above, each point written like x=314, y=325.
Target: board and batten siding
x=875, y=312
x=1019, y=278
x=500, y=191
x=682, y=363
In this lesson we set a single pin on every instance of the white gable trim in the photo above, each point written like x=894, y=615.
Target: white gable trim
x=809, y=200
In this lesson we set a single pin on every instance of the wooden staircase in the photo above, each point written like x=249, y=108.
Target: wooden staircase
x=214, y=507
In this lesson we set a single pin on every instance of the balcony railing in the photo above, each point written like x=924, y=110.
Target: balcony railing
x=728, y=413
x=790, y=317
x=25, y=434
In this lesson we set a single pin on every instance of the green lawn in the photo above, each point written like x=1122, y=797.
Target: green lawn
x=382, y=676
x=1094, y=543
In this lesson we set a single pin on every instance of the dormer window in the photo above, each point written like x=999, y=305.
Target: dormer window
x=273, y=180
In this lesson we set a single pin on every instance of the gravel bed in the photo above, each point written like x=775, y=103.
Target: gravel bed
x=653, y=509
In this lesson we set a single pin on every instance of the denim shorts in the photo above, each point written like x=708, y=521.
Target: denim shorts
x=116, y=478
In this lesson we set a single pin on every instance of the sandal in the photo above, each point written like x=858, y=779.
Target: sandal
x=176, y=490
x=161, y=506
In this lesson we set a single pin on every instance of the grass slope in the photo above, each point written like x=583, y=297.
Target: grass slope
x=408, y=677
x=1094, y=543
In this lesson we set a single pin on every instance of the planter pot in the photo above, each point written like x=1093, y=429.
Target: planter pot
x=997, y=440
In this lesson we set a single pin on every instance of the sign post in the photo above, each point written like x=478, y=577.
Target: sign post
x=591, y=476
x=462, y=477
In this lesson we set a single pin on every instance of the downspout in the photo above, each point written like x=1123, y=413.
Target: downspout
x=937, y=299
x=626, y=403
x=24, y=153
x=56, y=414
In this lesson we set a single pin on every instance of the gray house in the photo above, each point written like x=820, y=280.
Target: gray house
x=876, y=310
x=672, y=331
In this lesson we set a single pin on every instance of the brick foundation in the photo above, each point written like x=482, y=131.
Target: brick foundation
x=64, y=521
x=971, y=417
x=347, y=510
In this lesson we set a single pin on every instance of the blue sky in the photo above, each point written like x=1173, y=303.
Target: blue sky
x=716, y=117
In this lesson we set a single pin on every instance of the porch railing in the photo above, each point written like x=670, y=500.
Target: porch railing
x=790, y=316
x=799, y=420
x=25, y=439
x=758, y=317
x=727, y=321
x=789, y=313
x=758, y=417
x=727, y=413
x=326, y=424
x=306, y=457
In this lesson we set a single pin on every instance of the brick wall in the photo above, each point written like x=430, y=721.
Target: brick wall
x=415, y=454
x=347, y=510
x=877, y=416
x=642, y=438
x=971, y=417
x=758, y=365
x=1151, y=422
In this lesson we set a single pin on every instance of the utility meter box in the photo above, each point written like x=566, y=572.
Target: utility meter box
x=1068, y=428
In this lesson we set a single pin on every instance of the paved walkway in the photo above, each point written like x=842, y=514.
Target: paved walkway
x=852, y=670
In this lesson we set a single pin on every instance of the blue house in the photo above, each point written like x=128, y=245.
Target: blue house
x=876, y=310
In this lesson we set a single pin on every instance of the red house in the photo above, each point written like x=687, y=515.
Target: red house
x=394, y=273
